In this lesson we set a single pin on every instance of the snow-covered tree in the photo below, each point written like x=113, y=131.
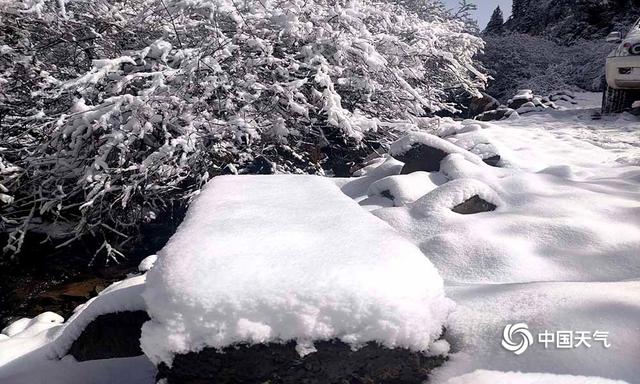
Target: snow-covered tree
x=116, y=110
x=496, y=23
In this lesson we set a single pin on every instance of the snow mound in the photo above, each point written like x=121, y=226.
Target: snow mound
x=277, y=258
x=147, y=263
x=453, y=193
x=496, y=377
x=475, y=142
x=404, y=189
x=26, y=327
x=524, y=94
x=357, y=188
x=406, y=143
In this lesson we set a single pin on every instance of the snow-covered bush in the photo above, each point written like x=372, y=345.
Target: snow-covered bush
x=117, y=110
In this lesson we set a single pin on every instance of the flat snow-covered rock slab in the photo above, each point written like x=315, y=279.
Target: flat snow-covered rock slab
x=279, y=258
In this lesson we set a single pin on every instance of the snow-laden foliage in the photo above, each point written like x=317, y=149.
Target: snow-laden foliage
x=112, y=111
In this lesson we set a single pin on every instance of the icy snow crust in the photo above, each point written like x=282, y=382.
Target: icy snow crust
x=276, y=258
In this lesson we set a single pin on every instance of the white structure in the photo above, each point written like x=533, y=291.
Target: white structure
x=623, y=71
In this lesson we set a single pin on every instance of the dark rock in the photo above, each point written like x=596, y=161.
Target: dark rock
x=498, y=114
x=334, y=362
x=493, y=160
x=517, y=103
x=387, y=194
x=109, y=336
x=480, y=105
x=260, y=166
x=474, y=205
x=421, y=157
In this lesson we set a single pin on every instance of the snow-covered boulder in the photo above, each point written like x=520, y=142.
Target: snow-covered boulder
x=476, y=142
x=109, y=336
x=278, y=259
x=523, y=97
x=106, y=329
x=480, y=105
x=420, y=151
x=357, y=187
x=117, y=314
x=501, y=113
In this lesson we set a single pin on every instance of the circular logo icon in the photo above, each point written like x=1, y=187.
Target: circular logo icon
x=516, y=338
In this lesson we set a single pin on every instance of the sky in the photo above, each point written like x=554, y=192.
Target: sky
x=485, y=9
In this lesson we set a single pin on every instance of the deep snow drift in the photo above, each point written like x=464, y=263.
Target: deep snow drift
x=278, y=258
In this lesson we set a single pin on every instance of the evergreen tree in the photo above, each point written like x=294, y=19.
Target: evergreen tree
x=496, y=23
x=520, y=8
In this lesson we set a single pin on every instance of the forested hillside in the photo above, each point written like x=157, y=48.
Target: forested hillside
x=566, y=21
x=550, y=45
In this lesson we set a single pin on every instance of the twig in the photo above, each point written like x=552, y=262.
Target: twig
x=175, y=30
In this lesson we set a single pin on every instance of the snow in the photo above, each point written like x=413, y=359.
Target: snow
x=26, y=326
x=560, y=252
x=483, y=310
x=130, y=370
x=403, y=145
x=524, y=94
x=494, y=377
x=147, y=263
x=357, y=188
x=552, y=200
x=406, y=189
x=274, y=258
x=288, y=258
